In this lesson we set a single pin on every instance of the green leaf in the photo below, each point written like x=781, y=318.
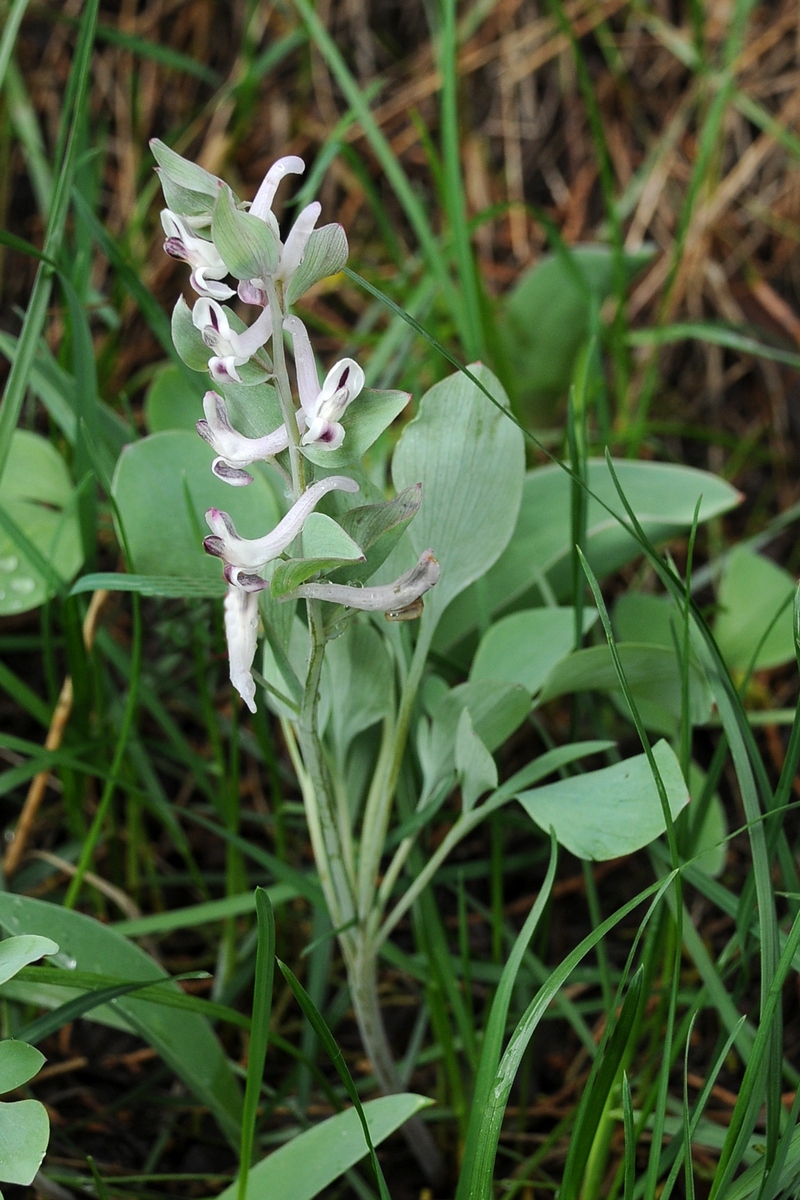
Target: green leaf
x=377, y=528
x=184, y=1040
x=312, y=1160
x=163, y=486
x=249, y=246
x=170, y=403
x=496, y=709
x=640, y=617
x=149, y=585
x=24, y=1134
x=34, y=493
x=324, y=538
x=17, y=952
x=325, y=254
x=188, y=340
x=546, y=318
x=291, y=572
x=19, y=1062
x=614, y=811
x=358, y=684
x=708, y=846
x=184, y=173
x=470, y=459
x=752, y=592
x=653, y=674
x=475, y=767
x=525, y=646
x=364, y=421
x=662, y=495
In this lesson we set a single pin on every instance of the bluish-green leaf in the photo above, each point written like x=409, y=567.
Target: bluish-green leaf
x=312, y=1160
x=17, y=952
x=163, y=486
x=470, y=459
x=24, y=1134
x=525, y=646
x=662, y=495
x=614, y=811
x=19, y=1062
x=325, y=254
x=752, y=592
x=170, y=403
x=35, y=492
x=184, y=1040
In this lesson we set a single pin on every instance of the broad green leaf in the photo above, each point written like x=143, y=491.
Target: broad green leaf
x=170, y=402
x=249, y=246
x=752, y=592
x=24, y=1134
x=163, y=486
x=662, y=495
x=546, y=317
x=475, y=767
x=324, y=538
x=364, y=421
x=311, y=1161
x=19, y=1062
x=35, y=492
x=17, y=952
x=470, y=459
x=377, y=528
x=358, y=683
x=614, y=811
x=184, y=1040
x=525, y=646
x=653, y=674
x=640, y=617
x=325, y=254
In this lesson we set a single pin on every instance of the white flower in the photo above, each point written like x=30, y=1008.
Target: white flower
x=234, y=450
x=400, y=600
x=293, y=249
x=230, y=349
x=322, y=406
x=241, y=634
x=201, y=255
x=251, y=554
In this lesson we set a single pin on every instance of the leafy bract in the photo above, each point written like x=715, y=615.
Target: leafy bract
x=470, y=459
x=525, y=646
x=325, y=254
x=363, y=421
x=163, y=486
x=614, y=811
x=36, y=494
x=184, y=1040
x=377, y=528
x=312, y=1160
x=752, y=594
x=662, y=495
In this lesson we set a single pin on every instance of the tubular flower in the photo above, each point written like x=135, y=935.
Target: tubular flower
x=234, y=450
x=243, y=558
x=293, y=249
x=241, y=634
x=201, y=255
x=400, y=600
x=322, y=406
x=230, y=349
x=251, y=554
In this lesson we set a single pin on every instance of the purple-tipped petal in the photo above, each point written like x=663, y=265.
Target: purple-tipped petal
x=244, y=579
x=232, y=475
x=214, y=546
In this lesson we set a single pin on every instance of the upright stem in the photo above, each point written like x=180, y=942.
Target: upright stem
x=284, y=389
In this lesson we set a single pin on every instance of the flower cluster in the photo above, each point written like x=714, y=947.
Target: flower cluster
x=220, y=239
